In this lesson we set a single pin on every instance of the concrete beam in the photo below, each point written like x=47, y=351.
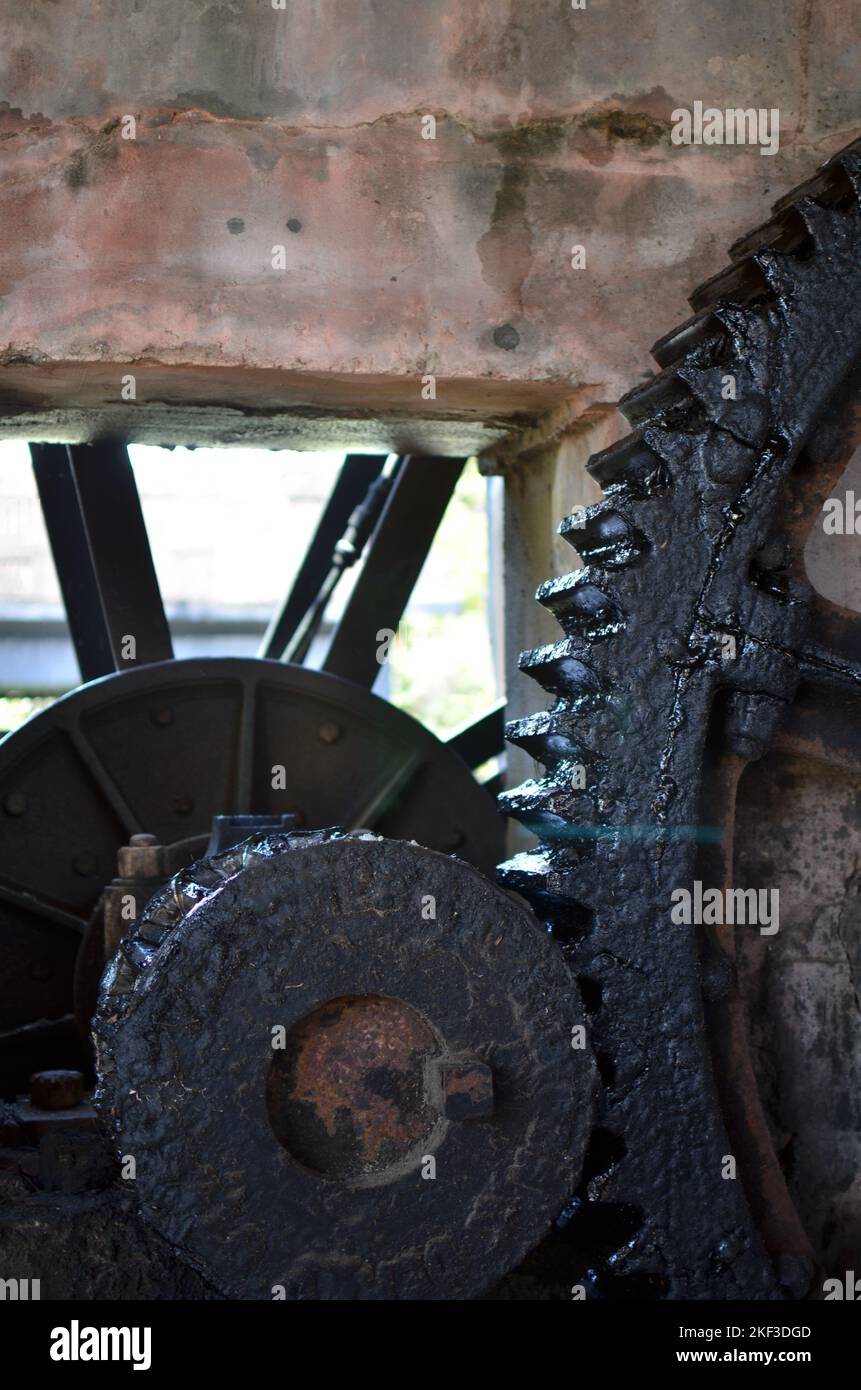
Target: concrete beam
x=404, y=258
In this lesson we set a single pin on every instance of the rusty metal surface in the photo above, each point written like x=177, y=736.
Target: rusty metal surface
x=347, y=1096
x=278, y=929
x=57, y=1089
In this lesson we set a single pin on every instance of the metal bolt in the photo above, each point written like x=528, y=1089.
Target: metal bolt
x=85, y=864
x=163, y=716
x=461, y=1090
x=140, y=858
x=329, y=732
x=15, y=804
x=56, y=1090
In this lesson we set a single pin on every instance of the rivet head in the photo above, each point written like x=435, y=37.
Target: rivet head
x=330, y=731
x=15, y=804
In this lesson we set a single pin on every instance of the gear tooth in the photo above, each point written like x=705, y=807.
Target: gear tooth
x=817, y=214
x=784, y=232
x=560, y=668
x=746, y=329
x=536, y=875
x=603, y=534
x=822, y=223
x=554, y=813
x=629, y=463
x=825, y=185
x=526, y=873
x=696, y=334
x=782, y=273
x=551, y=736
x=580, y=606
x=763, y=258
x=653, y=399
x=740, y=284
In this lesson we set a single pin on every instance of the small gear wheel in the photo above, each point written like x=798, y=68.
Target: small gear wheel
x=344, y=1069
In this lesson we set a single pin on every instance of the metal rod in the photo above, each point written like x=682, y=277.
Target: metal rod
x=395, y=557
x=348, y=550
x=358, y=473
x=120, y=553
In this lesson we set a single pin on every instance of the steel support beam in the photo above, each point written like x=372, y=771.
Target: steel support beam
x=101, y=550
x=67, y=536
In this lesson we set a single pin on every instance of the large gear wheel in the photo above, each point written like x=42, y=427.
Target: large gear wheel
x=685, y=636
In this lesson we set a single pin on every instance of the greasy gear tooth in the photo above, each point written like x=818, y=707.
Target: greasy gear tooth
x=845, y=164
x=629, y=463
x=604, y=535
x=580, y=606
x=527, y=872
x=538, y=875
x=529, y=866
x=695, y=335
x=653, y=399
x=822, y=223
x=560, y=669
x=556, y=814
x=739, y=283
x=783, y=232
x=782, y=273
x=583, y=516
x=552, y=736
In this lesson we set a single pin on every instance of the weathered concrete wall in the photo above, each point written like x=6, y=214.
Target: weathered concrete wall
x=302, y=127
